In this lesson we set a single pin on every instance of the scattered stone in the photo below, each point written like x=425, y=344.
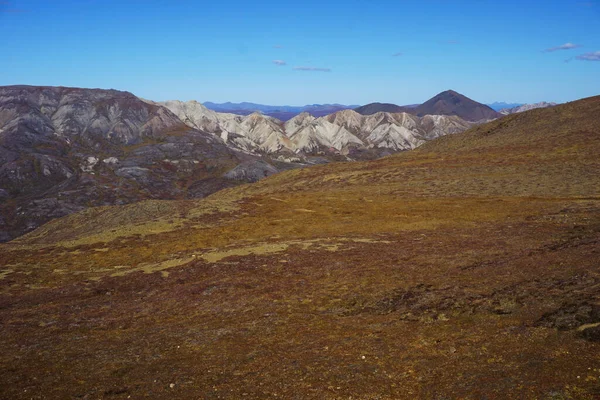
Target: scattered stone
x=110, y=160
x=88, y=164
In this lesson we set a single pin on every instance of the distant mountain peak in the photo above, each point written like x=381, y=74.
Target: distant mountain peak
x=448, y=102
x=451, y=102
x=450, y=92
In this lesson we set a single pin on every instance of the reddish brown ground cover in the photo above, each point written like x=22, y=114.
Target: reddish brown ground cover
x=466, y=269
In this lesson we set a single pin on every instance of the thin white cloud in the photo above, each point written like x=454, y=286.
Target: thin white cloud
x=396, y=54
x=278, y=46
x=566, y=46
x=593, y=56
x=312, y=69
x=279, y=62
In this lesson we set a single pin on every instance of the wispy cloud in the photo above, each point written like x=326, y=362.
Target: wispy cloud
x=312, y=69
x=566, y=46
x=278, y=46
x=396, y=54
x=279, y=62
x=592, y=56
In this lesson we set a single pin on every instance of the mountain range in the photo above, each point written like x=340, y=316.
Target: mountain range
x=282, y=113
x=66, y=149
x=345, y=132
x=285, y=113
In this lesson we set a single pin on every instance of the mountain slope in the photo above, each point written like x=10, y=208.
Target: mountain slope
x=397, y=131
x=65, y=149
x=472, y=259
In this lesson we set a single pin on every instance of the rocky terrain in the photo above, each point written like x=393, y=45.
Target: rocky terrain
x=525, y=107
x=345, y=132
x=65, y=149
x=465, y=269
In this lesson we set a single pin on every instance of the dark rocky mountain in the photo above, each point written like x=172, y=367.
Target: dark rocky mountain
x=445, y=103
x=65, y=149
x=453, y=103
x=374, y=108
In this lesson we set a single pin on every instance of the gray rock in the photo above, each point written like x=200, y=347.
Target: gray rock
x=251, y=171
x=132, y=172
x=52, y=139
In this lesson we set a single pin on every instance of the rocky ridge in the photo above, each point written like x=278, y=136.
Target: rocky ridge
x=344, y=132
x=66, y=149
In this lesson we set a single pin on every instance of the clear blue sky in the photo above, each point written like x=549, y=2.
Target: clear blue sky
x=225, y=50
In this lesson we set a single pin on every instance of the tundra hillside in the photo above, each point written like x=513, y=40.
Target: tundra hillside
x=467, y=268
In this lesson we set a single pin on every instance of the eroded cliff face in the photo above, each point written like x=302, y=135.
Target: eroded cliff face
x=340, y=132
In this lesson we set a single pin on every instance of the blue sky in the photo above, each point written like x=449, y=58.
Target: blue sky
x=225, y=50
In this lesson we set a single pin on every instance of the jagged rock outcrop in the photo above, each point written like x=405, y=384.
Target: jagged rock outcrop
x=337, y=133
